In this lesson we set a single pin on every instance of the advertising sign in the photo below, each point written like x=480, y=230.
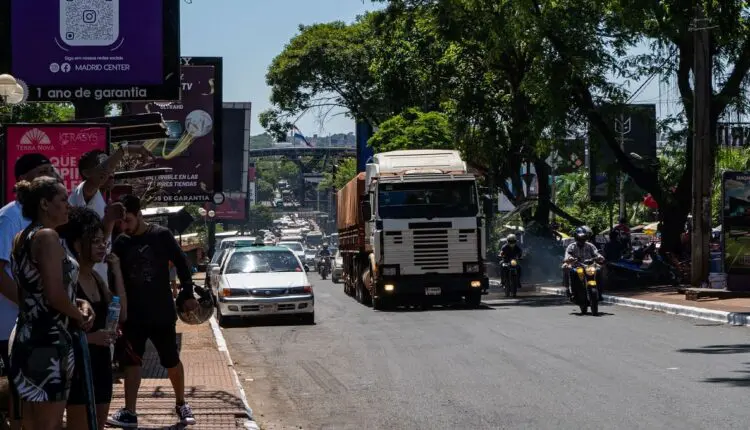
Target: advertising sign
x=634, y=126
x=63, y=144
x=68, y=50
x=236, y=139
x=234, y=208
x=193, y=148
x=736, y=228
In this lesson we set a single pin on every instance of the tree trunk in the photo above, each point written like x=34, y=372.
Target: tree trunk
x=541, y=215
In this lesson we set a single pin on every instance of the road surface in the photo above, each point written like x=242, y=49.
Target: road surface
x=529, y=363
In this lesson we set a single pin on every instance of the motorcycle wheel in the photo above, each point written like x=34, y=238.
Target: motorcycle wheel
x=513, y=284
x=594, y=301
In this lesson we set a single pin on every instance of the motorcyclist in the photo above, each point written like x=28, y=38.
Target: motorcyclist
x=324, y=252
x=580, y=250
x=510, y=251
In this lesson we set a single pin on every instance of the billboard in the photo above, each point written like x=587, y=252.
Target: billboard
x=234, y=208
x=92, y=50
x=63, y=144
x=635, y=126
x=736, y=229
x=236, y=144
x=194, y=147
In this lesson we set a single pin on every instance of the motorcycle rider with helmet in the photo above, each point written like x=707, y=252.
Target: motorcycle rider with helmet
x=509, y=251
x=324, y=252
x=580, y=250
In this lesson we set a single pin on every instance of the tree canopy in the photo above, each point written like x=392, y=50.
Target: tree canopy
x=510, y=82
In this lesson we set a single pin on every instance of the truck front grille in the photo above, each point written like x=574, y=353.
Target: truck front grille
x=431, y=249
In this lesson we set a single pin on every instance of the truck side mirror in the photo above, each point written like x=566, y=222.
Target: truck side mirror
x=366, y=210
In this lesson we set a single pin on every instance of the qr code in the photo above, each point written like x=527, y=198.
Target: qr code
x=90, y=21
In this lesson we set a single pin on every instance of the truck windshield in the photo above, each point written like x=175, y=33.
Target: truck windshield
x=427, y=200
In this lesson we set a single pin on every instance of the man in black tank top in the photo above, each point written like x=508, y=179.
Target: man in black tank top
x=145, y=251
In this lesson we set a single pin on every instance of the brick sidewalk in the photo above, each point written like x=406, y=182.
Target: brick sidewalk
x=209, y=385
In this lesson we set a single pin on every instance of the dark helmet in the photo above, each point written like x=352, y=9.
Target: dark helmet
x=581, y=235
x=202, y=313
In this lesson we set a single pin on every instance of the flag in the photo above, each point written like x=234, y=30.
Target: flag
x=297, y=134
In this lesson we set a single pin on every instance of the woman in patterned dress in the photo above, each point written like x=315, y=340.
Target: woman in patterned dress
x=41, y=358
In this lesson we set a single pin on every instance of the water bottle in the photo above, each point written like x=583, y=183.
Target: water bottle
x=113, y=315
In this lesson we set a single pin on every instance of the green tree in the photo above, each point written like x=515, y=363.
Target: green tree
x=324, y=66
x=414, y=129
x=36, y=113
x=344, y=172
x=260, y=218
x=261, y=141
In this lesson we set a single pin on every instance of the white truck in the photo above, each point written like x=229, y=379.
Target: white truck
x=411, y=230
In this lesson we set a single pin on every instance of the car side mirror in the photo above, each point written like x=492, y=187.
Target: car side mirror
x=215, y=270
x=307, y=268
x=366, y=210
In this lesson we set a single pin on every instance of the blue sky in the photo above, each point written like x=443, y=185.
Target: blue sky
x=250, y=33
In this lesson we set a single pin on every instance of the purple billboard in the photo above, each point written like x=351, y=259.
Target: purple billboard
x=113, y=50
x=193, y=148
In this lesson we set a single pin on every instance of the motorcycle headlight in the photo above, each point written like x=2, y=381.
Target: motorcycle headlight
x=590, y=271
x=513, y=263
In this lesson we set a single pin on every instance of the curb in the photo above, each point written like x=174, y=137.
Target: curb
x=221, y=344
x=731, y=318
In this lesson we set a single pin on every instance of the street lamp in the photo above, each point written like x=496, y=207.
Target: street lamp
x=11, y=91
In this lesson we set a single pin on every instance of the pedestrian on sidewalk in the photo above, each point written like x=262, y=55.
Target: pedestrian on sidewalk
x=145, y=251
x=12, y=222
x=42, y=359
x=84, y=235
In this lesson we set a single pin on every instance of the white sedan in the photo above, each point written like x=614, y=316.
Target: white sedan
x=263, y=281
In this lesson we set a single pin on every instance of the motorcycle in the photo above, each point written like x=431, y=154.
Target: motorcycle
x=512, y=281
x=632, y=271
x=583, y=281
x=324, y=267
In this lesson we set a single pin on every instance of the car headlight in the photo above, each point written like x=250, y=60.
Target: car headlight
x=471, y=267
x=590, y=271
x=389, y=271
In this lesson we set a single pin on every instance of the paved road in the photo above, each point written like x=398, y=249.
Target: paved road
x=531, y=363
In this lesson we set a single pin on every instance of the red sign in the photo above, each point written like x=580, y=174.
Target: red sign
x=251, y=174
x=63, y=144
x=233, y=209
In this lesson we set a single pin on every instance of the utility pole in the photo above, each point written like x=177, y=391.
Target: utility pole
x=701, y=149
x=623, y=130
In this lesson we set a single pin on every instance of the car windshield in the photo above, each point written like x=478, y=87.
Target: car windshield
x=427, y=200
x=263, y=262
x=294, y=246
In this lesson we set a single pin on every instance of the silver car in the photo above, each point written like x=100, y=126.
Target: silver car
x=263, y=281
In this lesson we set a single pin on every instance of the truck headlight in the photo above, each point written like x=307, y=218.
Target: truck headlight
x=471, y=267
x=390, y=271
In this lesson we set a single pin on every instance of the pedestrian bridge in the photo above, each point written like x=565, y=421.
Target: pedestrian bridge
x=296, y=151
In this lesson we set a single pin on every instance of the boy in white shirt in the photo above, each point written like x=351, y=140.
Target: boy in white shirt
x=97, y=170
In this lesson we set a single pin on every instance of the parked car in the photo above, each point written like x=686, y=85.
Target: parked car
x=261, y=281
x=338, y=267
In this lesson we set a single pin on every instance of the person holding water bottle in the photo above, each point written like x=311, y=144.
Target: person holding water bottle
x=84, y=236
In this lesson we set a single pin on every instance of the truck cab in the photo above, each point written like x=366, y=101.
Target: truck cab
x=424, y=222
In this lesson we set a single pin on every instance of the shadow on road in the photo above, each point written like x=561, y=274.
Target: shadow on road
x=719, y=349
x=536, y=300
x=269, y=321
x=421, y=308
x=740, y=381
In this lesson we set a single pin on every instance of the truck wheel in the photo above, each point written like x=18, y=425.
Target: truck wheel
x=474, y=300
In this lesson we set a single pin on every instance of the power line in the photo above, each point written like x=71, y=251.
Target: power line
x=653, y=74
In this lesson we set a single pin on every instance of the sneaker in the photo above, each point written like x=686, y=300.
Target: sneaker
x=185, y=412
x=124, y=419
